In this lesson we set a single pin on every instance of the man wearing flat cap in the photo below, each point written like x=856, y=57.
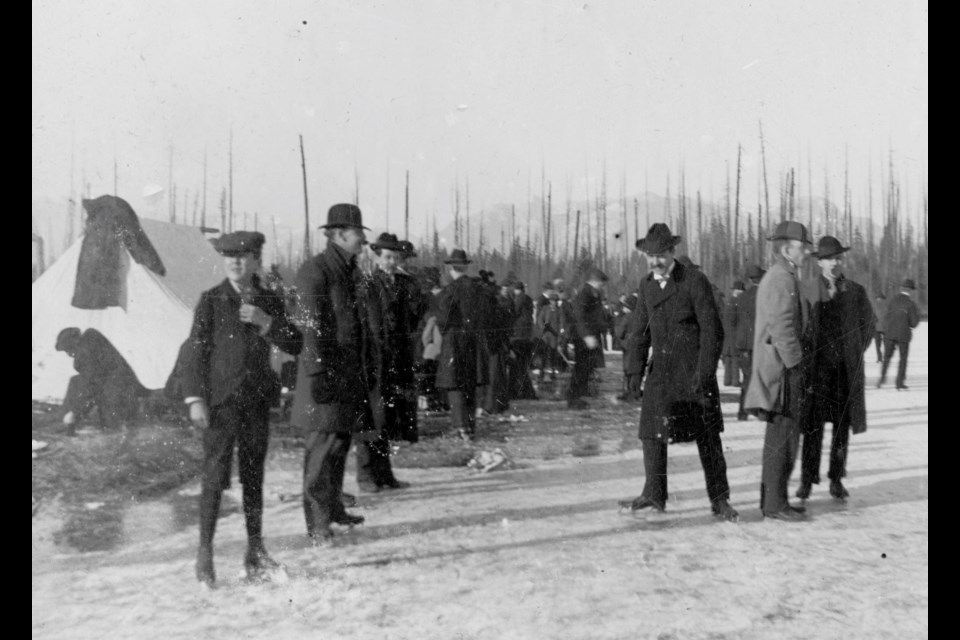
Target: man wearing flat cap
x=901, y=318
x=589, y=323
x=746, y=319
x=337, y=370
x=839, y=330
x=778, y=378
x=677, y=318
x=461, y=320
x=230, y=387
x=392, y=318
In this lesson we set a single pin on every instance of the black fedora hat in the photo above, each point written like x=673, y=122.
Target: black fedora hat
x=387, y=241
x=791, y=230
x=908, y=284
x=406, y=247
x=658, y=239
x=457, y=256
x=344, y=215
x=829, y=247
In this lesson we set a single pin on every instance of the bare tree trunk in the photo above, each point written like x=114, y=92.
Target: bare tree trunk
x=306, y=205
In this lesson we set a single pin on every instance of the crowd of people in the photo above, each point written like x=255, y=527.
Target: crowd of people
x=373, y=349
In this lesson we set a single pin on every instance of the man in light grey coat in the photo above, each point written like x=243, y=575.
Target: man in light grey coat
x=777, y=378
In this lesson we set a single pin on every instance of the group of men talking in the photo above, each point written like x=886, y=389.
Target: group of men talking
x=352, y=334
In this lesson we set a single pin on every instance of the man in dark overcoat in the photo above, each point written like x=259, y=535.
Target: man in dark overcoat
x=499, y=320
x=230, y=387
x=589, y=323
x=461, y=321
x=731, y=366
x=901, y=318
x=522, y=344
x=390, y=314
x=632, y=365
x=677, y=317
x=746, y=318
x=777, y=383
x=839, y=330
x=336, y=372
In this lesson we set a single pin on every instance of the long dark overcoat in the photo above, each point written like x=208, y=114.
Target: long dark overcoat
x=901, y=318
x=681, y=325
x=590, y=319
x=746, y=319
x=336, y=371
x=631, y=355
x=460, y=319
x=729, y=319
x=859, y=324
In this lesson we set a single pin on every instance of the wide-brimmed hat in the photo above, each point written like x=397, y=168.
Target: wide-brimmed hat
x=829, y=247
x=239, y=243
x=407, y=248
x=687, y=262
x=754, y=272
x=457, y=256
x=344, y=215
x=387, y=241
x=908, y=284
x=791, y=230
x=658, y=239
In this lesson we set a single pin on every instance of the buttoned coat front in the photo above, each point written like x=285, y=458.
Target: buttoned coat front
x=857, y=329
x=681, y=325
x=460, y=319
x=336, y=371
x=777, y=337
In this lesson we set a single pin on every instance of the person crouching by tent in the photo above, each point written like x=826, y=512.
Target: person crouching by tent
x=104, y=381
x=230, y=388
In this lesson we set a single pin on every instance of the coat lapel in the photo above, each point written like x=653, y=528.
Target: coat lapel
x=657, y=295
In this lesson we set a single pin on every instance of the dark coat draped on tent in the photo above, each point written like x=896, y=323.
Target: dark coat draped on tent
x=111, y=226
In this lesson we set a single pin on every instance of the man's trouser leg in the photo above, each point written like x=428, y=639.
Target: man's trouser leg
x=730, y=371
x=373, y=459
x=581, y=373
x=714, y=465
x=839, y=447
x=323, y=468
x=780, y=446
x=655, y=470
x=253, y=441
x=902, y=364
x=878, y=339
x=811, y=452
x=888, y=348
x=463, y=405
x=218, y=442
x=746, y=364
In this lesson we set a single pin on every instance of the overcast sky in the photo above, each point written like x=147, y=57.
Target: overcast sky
x=490, y=91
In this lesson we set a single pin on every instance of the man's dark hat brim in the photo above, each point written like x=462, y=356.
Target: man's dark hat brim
x=239, y=243
x=344, y=215
x=828, y=247
x=658, y=240
x=387, y=241
x=791, y=230
x=458, y=256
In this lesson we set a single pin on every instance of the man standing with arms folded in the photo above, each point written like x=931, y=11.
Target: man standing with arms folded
x=230, y=388
x=839, y=332
x=777, y=379
x=336, y=370
x=677, y=317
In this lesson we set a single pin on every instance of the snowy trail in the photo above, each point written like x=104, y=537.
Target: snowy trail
x=539, y=552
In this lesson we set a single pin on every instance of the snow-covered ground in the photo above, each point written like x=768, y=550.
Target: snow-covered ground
x=537, y=552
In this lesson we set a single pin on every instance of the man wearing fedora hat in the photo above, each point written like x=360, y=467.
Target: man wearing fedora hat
x=746, y=318
x=336, y=371
x=901, y=318
x=777, y=379
x=839, y=330
x=677, y=318
x=585, y=332
x=460, y=319
x=229, y=386
x=392, y=317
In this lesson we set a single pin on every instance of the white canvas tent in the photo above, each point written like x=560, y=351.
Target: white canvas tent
x=147, y=330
